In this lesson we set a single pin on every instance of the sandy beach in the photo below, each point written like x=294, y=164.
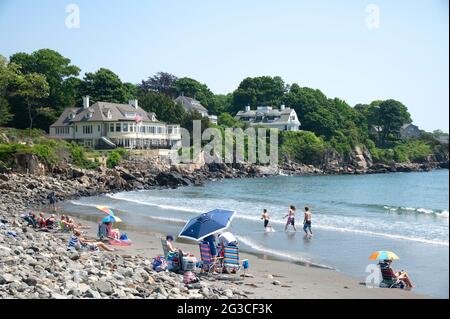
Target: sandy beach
x=271, y=278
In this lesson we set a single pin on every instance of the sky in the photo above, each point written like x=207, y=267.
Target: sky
x=356, y=50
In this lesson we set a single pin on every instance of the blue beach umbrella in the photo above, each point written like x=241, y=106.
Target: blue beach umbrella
x=207, y=224
x=111, y=219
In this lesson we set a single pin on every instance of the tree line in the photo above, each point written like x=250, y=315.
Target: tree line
x=35, y=88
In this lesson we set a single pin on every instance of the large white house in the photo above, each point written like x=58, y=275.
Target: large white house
x=106, y=124
x=189, y=104
x=285, y=118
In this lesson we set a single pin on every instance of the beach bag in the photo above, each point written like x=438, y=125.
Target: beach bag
x=124, y=237
x=159, y=264
x=189, y=278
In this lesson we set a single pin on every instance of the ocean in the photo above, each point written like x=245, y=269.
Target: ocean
x=353, y=216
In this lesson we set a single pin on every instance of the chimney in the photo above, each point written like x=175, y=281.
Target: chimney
x=282, y=107
x=86, y=102
x=133, y=103
x=247, y=108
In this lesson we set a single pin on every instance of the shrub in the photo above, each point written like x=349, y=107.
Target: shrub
x=303, y=147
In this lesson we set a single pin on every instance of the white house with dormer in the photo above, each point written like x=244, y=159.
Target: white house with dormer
x=105, y=124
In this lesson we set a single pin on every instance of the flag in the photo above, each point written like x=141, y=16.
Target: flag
x=138, y=118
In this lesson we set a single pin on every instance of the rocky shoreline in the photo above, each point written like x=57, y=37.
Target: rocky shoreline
x=35, y=264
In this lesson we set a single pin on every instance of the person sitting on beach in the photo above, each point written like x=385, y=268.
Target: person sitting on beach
x=66, y=224
x=170, y=247
x=74, y=225
x=112, y=233
x=50, y=222
x=291, y=218
x=266, y=218
x=211, y=241
x=30, y=218
x=78, y=242
x=402, y=276
x=41, y=220
x=307, y=222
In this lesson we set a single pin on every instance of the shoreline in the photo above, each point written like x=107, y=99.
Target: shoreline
x=272, y=276
x=22, y=192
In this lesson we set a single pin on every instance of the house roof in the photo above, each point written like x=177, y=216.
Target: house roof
x=260, y=116
x=190, y=104
x=98, y=112
x=408, y=125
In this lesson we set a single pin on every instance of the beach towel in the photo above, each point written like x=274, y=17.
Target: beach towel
x=115, y=242
x=159, y=264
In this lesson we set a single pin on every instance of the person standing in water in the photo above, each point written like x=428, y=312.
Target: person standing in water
x=307, y=222
x=265, y=216
x=291, y=218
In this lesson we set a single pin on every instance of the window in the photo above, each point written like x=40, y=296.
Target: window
x=76, y=128
x=62, y=130
x=130, y=115
x=98, y=128
x=293, y=117
x=118, y=127
x=71, y=116
x=125, y=127
x=111, y=127
x=87, y=129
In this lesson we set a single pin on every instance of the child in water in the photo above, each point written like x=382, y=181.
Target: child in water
x=265, y=216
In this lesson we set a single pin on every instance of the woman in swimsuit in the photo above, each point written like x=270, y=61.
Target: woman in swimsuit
x=291, y=218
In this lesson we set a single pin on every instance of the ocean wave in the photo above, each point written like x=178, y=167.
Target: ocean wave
x=256, y=219
x=141, y=202
x=276, y=253
x=413, y=210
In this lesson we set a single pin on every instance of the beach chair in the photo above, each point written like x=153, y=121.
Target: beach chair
x=208, y=265
x=390, y=280
x=231, y=259
x=164, y=246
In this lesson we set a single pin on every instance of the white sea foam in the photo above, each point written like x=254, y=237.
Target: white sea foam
x=276, y=253
x=420, y=210
x=146, y=203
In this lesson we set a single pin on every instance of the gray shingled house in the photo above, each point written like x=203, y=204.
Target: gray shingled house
x=104, y=124
x=189, y=105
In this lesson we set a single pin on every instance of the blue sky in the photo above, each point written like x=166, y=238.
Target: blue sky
x=320, y=44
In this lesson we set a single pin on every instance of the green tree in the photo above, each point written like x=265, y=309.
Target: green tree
x=227, y=120
x=263, y=90
x=302, y=147
x=57, y=70
x=32, y=87
x=161, y=82
x=391, y=116
x=104, y=85
x=9, y=75
x=164, y=107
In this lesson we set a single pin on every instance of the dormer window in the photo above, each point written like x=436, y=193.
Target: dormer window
x=89, y=115
x=130, y=115
x=153, y=117
x=71, y=116
x=109, y=115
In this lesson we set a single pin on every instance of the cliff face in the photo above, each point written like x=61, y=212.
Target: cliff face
x=360, y=161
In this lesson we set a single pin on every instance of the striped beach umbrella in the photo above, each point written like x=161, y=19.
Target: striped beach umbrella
x=383, y=255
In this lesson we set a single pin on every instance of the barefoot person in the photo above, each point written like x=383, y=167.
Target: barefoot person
x=290, y=218
x=78, y=242
x=307, y=222
x=266, y=218
x=402, y=276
